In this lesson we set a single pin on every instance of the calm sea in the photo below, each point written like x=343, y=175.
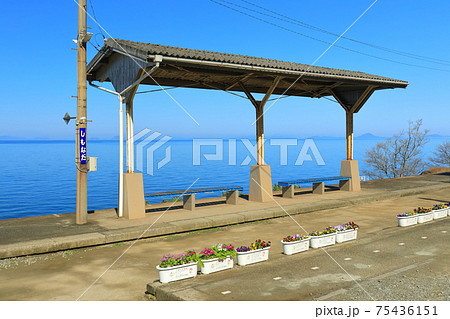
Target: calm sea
x=39, y=177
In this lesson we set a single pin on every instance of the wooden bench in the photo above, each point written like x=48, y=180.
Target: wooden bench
x=232, y=195
x=317, y=183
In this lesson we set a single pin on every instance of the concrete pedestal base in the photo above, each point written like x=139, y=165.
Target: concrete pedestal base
x=318, y=188
x=189, y=202
x=260, y=183
x=133, y=196
x=349, y=168
x=232, y=197
x=288, y=191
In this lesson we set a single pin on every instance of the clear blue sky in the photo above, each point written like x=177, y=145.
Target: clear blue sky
x=39, y=68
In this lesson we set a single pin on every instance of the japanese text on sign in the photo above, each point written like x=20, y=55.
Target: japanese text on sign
x=83, y=146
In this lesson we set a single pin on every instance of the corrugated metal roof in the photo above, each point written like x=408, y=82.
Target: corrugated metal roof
x=145, y=49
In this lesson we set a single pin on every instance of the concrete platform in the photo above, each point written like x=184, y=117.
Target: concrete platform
x=43, y=234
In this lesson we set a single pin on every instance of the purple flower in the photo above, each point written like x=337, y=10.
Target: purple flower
x=243, y=248
x=340, y=227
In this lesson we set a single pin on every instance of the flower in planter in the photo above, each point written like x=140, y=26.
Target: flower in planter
x=207, y=253
x=328, y=230
x=187, y=257
x=242, y=249
x=258, y=244
x=220, y=251
x=351, y=225
x=340, y=228
x=346, y=226
x=296, y=237
x=440, y=206
x=406, y=214
x=422, y=210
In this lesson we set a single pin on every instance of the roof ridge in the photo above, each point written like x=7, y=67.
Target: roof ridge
x=181, y=52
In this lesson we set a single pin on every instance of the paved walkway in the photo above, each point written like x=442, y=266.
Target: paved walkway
x=405, y=266
x=44, y=234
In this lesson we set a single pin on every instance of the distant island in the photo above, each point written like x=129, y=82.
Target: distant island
x=369, y=136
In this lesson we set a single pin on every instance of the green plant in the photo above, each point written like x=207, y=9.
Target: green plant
x=346, y=226
x=406, y=214
x=440, y=206
x=220, y=251
x=188, y=257
x=67, y=253
x=172, y=199
x=296, y=237
x=5, y=266
x=276, y=187
x=328, y=230
x=258, y=244
x=422, y=210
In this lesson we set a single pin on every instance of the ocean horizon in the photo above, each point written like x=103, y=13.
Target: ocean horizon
x=39, y=176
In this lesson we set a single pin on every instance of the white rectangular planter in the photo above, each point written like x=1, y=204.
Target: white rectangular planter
x=213, y=265
x=407, y=221
x=323, y=240
x=423, y=218
x=294, y=247
x=346, y=235
x=252, y=256
x=440, y=213
x=177, y=272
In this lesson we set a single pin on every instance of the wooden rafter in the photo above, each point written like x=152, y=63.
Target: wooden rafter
x=326, y=89
x=249, y=95
x=270, y=90
x=242, y=78
x=362, y=99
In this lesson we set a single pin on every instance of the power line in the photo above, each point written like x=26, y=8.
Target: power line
x=95, y=17
x=322, y=41
x=305, y=25
x=94, y=46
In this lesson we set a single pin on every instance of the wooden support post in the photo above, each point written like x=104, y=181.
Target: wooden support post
x=260, y=188
x=351, y=102
x=349, y=134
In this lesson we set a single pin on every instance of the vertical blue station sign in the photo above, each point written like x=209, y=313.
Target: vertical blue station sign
x=83, y=146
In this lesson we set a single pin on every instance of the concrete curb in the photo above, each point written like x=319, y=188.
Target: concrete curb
x=133, y=233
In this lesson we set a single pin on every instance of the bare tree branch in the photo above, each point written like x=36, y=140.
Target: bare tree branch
x=400, y=155
x=441, y=156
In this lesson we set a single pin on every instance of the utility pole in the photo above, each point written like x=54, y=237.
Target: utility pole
x=81, y=131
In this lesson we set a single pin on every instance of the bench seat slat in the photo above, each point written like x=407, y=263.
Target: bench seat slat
x=196, y=191
x=313, y=180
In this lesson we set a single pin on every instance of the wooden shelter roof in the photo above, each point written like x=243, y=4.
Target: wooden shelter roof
x=119, y=61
